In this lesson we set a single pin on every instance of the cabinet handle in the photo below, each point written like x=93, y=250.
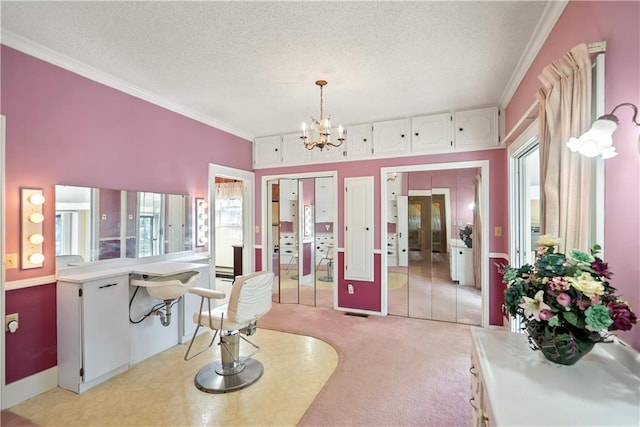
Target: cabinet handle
x=460, y=129
x=416, y=134
x=107, y=286
x=276, y=149
x=402, y=135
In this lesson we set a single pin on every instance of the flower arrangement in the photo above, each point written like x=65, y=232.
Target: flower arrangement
x=566, y=302
x=465, y=235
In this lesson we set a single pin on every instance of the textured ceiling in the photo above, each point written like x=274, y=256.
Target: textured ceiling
x=250, y=67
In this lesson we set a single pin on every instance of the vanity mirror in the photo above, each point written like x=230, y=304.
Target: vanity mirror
x=97, y=223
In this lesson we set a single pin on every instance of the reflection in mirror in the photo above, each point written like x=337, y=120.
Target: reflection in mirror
x=301, y=238
x=435, y=279
x=289, y=240
x=95, y=224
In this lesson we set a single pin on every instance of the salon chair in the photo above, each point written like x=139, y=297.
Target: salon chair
x=250, y=299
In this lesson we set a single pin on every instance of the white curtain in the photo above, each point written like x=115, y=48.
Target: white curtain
x=565, y=177
x=229, y=190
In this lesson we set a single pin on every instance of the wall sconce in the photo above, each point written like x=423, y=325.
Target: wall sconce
x=32, y=236
x=598, y=140
x=392, y=177
x=201, y=223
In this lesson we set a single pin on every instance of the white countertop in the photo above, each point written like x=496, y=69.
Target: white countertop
x=524, y=388
x=126, y=267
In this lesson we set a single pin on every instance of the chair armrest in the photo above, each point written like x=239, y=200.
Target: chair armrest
x=207, y=293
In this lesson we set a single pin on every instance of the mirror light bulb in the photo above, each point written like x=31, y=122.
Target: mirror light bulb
x=37, y=199
x=36, y=217
x=36, y=239
x=36, y=258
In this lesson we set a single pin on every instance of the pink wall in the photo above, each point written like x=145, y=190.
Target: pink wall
x=618, y=24
x=367, y=295
x=65, y=129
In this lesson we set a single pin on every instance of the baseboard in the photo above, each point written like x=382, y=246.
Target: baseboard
x=26, y=388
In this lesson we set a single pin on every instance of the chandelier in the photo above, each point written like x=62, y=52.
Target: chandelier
x=319, y=132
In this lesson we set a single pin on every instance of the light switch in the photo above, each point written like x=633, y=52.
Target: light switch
x=498, y=231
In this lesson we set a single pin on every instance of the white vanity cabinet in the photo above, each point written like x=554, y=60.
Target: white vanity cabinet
x=461, y=264
x=93, y=330
x=513, y=385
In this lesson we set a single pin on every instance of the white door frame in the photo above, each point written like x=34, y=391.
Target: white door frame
x=248, y=217
x=2, y=232
x=483, y=165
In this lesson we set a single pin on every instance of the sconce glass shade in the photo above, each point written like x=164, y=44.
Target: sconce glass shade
x=596, y=141
x=36, y=239
x=36, y=258
x=37, y=199
x=36, y=218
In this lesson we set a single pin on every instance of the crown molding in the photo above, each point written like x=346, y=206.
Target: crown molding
x=548, y=19
x=43, y=53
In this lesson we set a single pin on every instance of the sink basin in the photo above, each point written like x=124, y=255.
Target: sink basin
x=167, y=287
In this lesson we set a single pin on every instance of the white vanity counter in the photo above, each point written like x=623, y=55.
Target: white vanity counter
x=102, y=327
x=513, y=385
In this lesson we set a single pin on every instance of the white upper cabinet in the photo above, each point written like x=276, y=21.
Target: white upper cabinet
x=422, y=135
x=358, y=141
x=391, y=138
x=293, y=150
x=432, y=134
x=267, y=151
x=476, y=129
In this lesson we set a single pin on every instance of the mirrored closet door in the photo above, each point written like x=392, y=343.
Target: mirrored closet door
x=430, y=269
x=300, y=239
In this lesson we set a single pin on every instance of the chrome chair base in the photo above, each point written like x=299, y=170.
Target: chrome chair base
x=210, y=381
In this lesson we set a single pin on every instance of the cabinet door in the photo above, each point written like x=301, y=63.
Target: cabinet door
x=391, y=137
x=358, y=235
x=324, y=195
x=431, y=134
x=288, y=189
x=293, y=150
x=266, y=151
x=476, y=129
x=358, y=141
x=105, y=327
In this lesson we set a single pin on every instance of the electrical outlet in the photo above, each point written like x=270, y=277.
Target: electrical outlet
x=9, y=318
x=350, y=289
x=498, y=231
x=10, y=261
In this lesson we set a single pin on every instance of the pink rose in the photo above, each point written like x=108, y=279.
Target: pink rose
x=563, y=299
x=546, y=314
